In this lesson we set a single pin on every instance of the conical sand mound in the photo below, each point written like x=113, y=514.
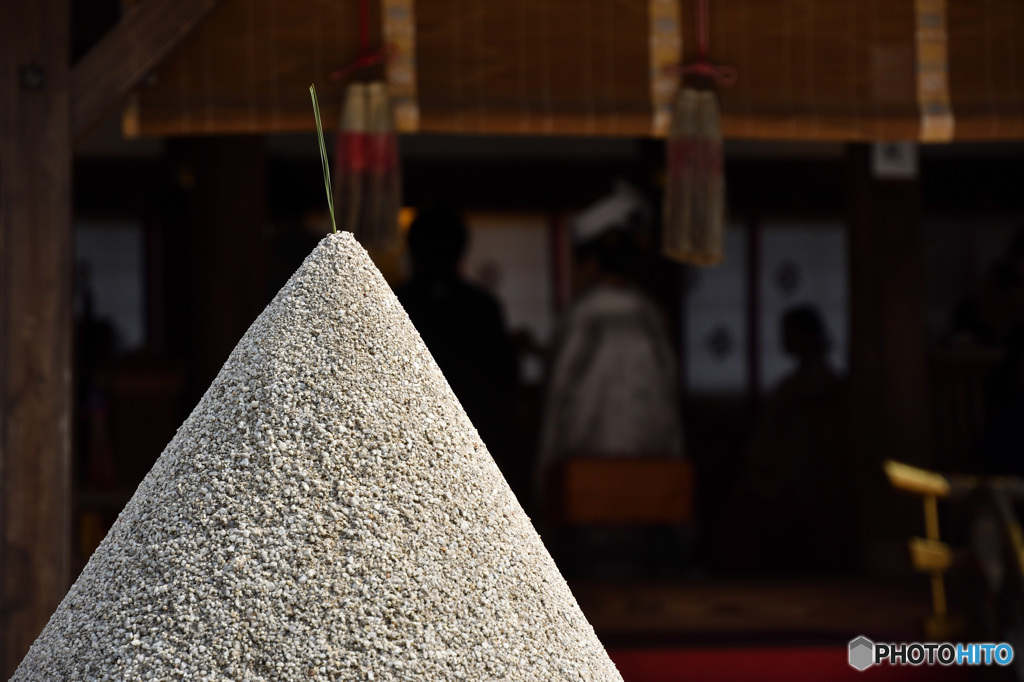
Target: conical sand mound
x=326, y=512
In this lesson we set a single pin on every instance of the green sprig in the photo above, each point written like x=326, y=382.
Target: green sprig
x=323, y=157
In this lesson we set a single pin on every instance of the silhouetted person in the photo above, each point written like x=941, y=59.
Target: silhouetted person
x=792, y=508
x=796, y=432
x=1001, y=444
x=96, y=345
x=993, y=316
x=989, y=316
x=463, y=326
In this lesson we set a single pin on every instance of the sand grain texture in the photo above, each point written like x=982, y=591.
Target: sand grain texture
x=326, y=512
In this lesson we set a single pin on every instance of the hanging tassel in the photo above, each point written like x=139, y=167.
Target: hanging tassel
x=368, y=187
x=368, y=191
x=694, y=229
x=694, y=220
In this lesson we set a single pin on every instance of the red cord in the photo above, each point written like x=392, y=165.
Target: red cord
x=366, y=57
x=364, y=27
x=702, y=29
x=702, y=66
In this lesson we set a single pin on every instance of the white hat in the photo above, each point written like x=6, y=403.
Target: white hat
x=611, y=212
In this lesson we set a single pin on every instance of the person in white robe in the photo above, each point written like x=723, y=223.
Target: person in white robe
x=613, y=385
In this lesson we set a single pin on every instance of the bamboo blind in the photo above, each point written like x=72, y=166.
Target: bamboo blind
x=839, y=70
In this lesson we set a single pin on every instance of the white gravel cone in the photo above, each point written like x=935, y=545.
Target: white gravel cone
x=328, y=511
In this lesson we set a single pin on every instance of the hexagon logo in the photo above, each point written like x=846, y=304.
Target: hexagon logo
x=862, y=653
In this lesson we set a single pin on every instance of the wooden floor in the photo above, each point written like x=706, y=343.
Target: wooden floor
x=745, y=611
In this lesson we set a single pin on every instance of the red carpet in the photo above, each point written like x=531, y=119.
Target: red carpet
x=769, y=665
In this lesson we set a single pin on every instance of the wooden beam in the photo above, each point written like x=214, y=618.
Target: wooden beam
x=144, y=36
x=35, y=319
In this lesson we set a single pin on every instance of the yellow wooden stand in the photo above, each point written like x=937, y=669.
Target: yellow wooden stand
x=929, y=554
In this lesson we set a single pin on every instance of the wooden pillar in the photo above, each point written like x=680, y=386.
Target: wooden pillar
x=35, y=319
x=888, y=336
